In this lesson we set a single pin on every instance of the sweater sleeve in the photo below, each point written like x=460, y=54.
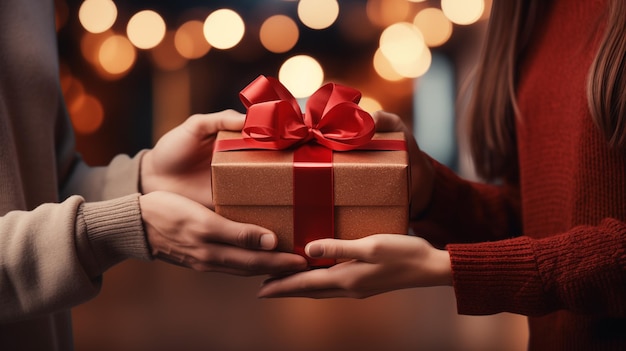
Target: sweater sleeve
x=101, y=189
x=86, y=238
x=582, y=270
x=119, y=178
x=466, y=211
x=53, y=256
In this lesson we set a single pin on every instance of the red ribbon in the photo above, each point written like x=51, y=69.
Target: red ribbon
x=333, y=122
x=333, y=119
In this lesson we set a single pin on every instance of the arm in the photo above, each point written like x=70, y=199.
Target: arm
x=582, y=270
x=480, y=211
x=53, y=256
x=47, y=261
x=464, y=211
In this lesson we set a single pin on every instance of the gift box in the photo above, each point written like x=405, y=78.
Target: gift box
x=302, y=189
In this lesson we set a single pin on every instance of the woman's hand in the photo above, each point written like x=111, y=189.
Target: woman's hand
x=180, y=162
x=186, y=233
x=421, y=169
x=376, y=264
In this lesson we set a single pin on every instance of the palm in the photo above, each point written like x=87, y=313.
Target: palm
x=377, y=264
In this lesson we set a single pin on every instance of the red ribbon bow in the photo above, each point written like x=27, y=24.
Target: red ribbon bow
x=333, y=118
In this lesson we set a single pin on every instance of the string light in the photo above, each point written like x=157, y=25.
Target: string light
x=403, y=43
x=370, y=104
x=97, y=16
x=318, y=14
x=116, y=55
x=279, y=33
x=145, y=29
x=189, y=40
x=434, y=25
x=384, y=68
x=302, y=75
x=223, y=29
x=403, y=52
x=86, y=114
x=463, y=12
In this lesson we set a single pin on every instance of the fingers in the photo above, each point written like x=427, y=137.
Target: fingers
x=238, y=261
x=318, y=282
x=211, y=123
x=388, y=122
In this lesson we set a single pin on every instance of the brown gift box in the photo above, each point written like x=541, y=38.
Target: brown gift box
x=370, y=190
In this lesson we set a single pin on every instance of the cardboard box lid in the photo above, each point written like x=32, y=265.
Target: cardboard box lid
x=265, y=177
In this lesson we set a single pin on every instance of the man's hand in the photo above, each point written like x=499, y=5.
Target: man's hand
x=186, y=233
x=180, y=162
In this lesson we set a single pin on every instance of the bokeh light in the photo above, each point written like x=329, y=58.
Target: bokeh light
x=302, y=75
x=463, y=12
x=383, y=67
x=402, y=43
x=86, y=113
x=279, y=33
x=416, y=68
x=72, y=87
x=384, y=13
x=116, y=55
x=97, y=16
x=370, y=104
x=318, y=14
x=434, y=25
x=189, y=40
x=224, y=29
x=165, y=55
x=90, y=46
x=146, y=29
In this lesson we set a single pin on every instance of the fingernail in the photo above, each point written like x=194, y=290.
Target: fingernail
x=268, y=241
x=314, y=250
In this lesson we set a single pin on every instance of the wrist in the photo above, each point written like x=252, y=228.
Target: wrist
x=443, y=267
x=145, y=173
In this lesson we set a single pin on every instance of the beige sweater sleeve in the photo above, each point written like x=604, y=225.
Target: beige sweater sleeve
x=86, y=238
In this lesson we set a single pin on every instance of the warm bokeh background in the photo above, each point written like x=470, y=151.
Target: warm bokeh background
x=131, y=70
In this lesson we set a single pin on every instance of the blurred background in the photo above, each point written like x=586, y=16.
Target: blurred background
x=132, y=70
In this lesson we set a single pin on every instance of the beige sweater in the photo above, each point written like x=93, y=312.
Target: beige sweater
x=62, y=223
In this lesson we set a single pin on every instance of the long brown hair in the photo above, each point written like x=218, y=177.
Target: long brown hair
x=493, y=108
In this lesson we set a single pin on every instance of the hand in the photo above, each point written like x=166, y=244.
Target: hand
x=180, y=162
x=186, y=233
x=421, y=169
x=376, y=264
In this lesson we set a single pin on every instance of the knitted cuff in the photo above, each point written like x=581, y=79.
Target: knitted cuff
x=494, y=277
x=115, y=230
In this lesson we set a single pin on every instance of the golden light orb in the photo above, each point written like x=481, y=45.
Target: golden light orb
x=146, y=29
x=224, y=29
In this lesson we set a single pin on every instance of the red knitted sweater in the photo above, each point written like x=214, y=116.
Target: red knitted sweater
x=552, y=247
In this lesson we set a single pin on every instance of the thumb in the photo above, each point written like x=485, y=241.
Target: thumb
x=335, y=248
x=209, y=124
x=244, y=235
